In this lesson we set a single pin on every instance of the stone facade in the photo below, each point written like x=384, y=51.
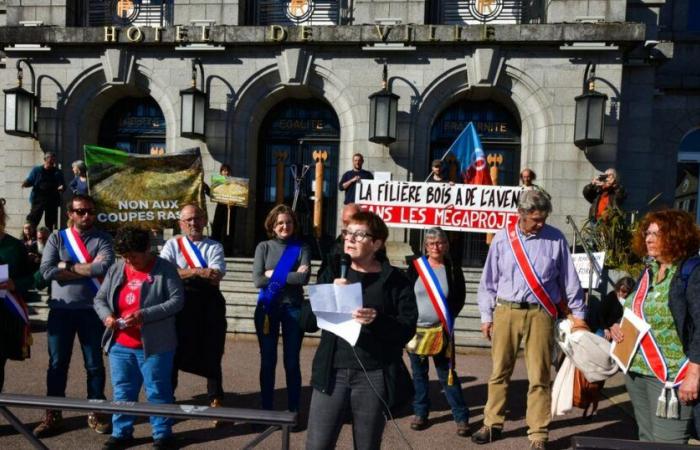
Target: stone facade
x=529, y=68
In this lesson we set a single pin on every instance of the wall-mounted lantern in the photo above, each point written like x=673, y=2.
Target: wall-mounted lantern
x=383, y=106
x=193, y=106
x=589, y=124
x=20, y=106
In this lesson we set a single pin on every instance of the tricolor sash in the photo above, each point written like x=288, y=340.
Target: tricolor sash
x=191, y=253
x=78, y=252
x=532, y=279
x=16, y=306
x=435, y=292
x=654, y=357
x=268, y=295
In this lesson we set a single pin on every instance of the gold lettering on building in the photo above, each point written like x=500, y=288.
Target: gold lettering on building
x=277, y=33
x=299, y=124
x=111, y=34
x=180, y=34
x=305, y=33
x=432, y=36
x=383, y=32
x=407, y=33
x=157, y=33
x=205, y=33
x=134, y=34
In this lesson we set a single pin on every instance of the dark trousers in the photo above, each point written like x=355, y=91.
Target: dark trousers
x=3, y=360
x=63, y=325
x=421, y=399
x=215, y=387
x=352, y=393
x=46, y=207
x=286, y=316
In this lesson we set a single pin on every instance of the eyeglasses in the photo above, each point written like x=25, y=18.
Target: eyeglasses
x=653, y=234
x=436, y=244
x=358, y=236
x=83, y=211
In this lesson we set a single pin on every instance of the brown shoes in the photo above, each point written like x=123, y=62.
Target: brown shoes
x=50, y=424
x=419, y=423
x=462, y=429
x=101, y=423
x=538, y=445
x=486, y=435
x=216, y=403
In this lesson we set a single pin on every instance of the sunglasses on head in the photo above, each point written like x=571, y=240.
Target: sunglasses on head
x=83, y=211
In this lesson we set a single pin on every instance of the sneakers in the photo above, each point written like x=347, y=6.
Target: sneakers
x=101, y=423
x=462, y=429
x=486, y=434
x=167, y=443
x=216, y=403
x=538, y=445
x=114, y=443
x=52, y=423
x=419, y=423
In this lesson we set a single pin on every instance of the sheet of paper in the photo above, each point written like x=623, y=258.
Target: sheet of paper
x=634, y=329
x=333, y=306
x=4, y=276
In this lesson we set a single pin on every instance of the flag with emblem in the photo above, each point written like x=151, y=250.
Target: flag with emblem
x=470, y=156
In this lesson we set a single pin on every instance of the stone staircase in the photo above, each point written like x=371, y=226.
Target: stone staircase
x=241, y=297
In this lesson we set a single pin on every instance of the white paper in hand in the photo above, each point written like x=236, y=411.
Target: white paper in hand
x=333, y=306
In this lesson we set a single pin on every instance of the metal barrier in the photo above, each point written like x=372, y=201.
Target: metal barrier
x=281, y=420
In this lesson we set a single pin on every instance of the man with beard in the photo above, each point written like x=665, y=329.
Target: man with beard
x=201, y=324
x=350, y=178
x=73, y=261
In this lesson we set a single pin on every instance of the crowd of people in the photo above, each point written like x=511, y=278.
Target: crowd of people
x=157, y=315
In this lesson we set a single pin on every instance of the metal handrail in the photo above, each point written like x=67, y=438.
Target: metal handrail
x=281, y=420
x=589, y=254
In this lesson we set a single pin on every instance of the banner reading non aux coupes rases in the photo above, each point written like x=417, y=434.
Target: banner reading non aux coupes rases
x=146, y=191
x=460, y=207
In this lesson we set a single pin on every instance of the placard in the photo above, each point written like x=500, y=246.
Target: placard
x=459, y=207
x=229, y=190
x=583, y=268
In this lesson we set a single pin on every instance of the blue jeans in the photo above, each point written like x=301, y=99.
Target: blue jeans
x=287, y=316
x=353, y=393
x=421, y=400
x=130, y=369
x=63, y=324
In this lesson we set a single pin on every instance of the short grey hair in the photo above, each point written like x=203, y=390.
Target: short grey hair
x=614, y=173
x=533, y=200
x=436, y=233
x=80, y=164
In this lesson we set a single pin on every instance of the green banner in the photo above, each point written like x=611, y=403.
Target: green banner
x=146, y=191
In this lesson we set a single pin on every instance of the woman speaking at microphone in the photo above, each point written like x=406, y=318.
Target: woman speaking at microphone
x=362, y=380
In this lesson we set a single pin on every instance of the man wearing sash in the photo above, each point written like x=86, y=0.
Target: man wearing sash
x=201, y=324
x=74, y=260
x=527, y=272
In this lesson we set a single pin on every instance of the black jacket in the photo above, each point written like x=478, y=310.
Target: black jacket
x=684, y=303
x=592, y=193
x=387, y=335
x=610, y=311
x=455, y=285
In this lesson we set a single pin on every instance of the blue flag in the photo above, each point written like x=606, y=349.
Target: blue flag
x=471, y=157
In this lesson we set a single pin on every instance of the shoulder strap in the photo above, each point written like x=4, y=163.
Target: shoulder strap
x=687, y=269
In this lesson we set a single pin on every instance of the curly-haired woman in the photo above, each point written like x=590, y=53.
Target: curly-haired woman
x=666, y=366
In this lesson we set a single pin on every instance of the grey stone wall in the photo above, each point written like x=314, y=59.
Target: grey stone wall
x=220, y=12
x=50, y=12
x=572, y=10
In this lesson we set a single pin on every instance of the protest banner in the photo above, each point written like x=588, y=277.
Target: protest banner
x=583, y=268
x=146, y=191
x=459, y=207
x=229, y=190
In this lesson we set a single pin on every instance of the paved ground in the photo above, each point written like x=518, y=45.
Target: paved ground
x=241, y=365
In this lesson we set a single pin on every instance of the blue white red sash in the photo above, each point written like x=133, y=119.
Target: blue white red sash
x=528, y=271
x=191, y=253
x=78, y=252
x=16, y=306
x=435, y=292
x=651, y=352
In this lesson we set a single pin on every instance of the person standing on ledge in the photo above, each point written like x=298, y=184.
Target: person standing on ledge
x=350, y=178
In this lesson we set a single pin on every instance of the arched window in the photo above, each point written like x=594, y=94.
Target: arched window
x=135, y=125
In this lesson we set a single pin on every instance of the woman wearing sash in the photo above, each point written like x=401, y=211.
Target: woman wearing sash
x=280, y=269
x=361, y=381
x=15, y=335
x=437, y=302
x=660, y=365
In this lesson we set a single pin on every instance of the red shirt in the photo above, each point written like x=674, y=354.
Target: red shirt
x=129, y=302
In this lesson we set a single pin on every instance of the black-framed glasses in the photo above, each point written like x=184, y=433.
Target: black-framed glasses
x=357, y=236
x=83, y=211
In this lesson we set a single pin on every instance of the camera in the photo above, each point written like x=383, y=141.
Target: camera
x=602, y=177
x=121, y=323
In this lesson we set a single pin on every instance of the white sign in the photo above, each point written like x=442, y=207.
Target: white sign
x=460, y=207
x=583, y=268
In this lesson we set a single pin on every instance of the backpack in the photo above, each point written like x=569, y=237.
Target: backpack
x=687, y=269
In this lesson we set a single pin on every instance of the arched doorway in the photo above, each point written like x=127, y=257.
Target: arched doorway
x=687, y=186
x=296, y=128
x=135, y=125
x=499, y=130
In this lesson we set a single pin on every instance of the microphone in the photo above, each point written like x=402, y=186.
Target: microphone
x=344, y=265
